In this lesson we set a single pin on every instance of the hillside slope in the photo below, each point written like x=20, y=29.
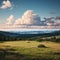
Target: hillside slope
x=7, y=36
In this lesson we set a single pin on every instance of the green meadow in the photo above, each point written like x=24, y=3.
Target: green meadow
x=29, y=50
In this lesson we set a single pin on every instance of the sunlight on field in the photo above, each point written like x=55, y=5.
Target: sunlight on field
x=30, y=49
x=25, y=44
x=30, y=44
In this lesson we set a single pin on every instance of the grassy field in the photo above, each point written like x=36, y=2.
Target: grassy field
x=29, y=50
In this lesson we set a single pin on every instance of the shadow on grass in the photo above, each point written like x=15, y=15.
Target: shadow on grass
x=12, y=54
x=1, y=41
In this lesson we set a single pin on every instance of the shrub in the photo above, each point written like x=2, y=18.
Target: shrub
x=41, y=46
x=28, y=41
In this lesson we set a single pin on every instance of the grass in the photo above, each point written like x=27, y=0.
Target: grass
x=29, y=50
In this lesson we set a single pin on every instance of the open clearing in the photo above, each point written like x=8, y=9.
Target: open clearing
x=24, y=50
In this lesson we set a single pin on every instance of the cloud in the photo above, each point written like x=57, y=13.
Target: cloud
x=10, y=20
x=31, y=20
x=52, y=21
x=28, y=18
x=49, y=19
x=6, y=4
x=57, y=18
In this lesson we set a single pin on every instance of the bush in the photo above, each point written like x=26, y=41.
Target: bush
x=41, y=46
x=28, y=41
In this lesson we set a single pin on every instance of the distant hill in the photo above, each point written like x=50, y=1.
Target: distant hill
x=35, y=35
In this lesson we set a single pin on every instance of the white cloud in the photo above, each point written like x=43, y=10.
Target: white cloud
x=10, y=20
x=48, y=24
x=28, y=18
x=6, y=4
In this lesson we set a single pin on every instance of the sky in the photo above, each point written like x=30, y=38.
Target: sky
x=30, y=14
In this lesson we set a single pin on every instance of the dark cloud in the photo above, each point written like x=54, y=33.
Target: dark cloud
x=57, y=18
x=52, y=21
x=47, y=19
